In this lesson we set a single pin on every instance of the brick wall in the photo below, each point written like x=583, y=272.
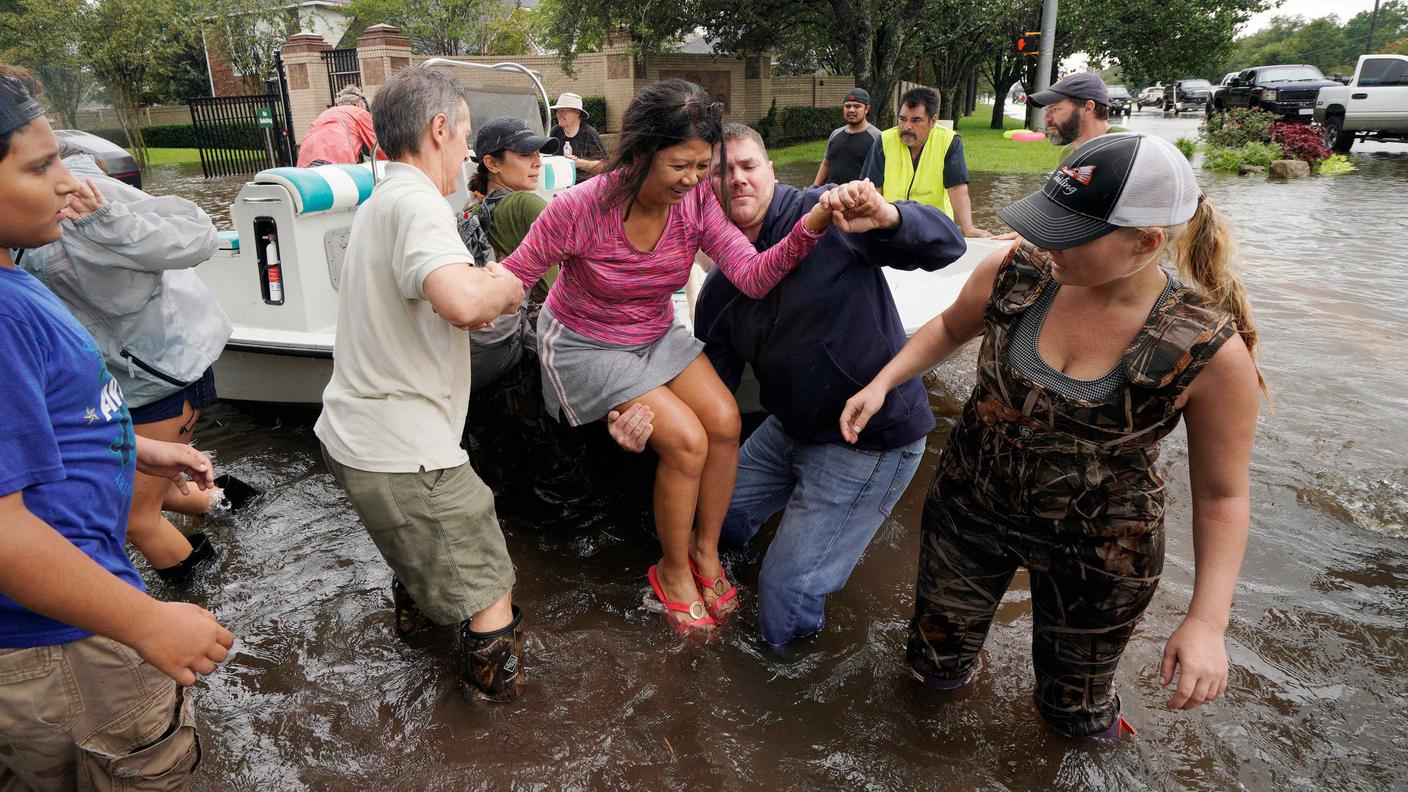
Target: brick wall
x=745, y=83
x=224, y=81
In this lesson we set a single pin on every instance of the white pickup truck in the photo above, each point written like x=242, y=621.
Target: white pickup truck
x=1374, y=106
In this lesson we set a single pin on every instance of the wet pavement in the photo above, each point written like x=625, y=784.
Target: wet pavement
x=319, y=694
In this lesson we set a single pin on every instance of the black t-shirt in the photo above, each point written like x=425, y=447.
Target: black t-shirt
x=586, y=144
x=846, y=152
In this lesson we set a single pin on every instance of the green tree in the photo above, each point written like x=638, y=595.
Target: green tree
x=42, y=36
x=1391, y=25
x=249, y=34
x=435, y=27
x=508, y=33
x=1159, y=40
x=871, y=33
x=1004, y=67
x=123, y=42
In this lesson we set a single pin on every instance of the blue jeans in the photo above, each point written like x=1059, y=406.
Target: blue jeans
x=835, y=497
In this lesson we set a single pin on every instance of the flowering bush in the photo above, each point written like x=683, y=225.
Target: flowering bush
x=1238, y=127
x=1301, y=141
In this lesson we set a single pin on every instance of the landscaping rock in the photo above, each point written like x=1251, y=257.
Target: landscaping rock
x=1251, y=170
x=1290, y=169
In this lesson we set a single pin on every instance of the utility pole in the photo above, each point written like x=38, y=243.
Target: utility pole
x=1048, y=47
x=1373, y=20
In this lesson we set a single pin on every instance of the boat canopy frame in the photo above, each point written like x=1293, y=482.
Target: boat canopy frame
x=505, y=66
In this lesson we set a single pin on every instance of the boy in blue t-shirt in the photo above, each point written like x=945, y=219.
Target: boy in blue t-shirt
x=89, y=664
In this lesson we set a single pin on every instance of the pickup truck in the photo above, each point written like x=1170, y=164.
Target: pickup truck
x=1286, y=90
x=1187, y=94
x=1374, y=106
x=1148, y=97
x=1216, y=89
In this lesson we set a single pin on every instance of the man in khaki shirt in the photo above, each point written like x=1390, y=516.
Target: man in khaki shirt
x=395, y=409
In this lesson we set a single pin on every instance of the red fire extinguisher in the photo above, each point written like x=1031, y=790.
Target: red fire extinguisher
x=273, y=276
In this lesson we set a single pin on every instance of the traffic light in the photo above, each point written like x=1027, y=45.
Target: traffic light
x=1029, y=44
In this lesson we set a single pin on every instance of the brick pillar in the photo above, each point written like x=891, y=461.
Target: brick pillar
x=381, y=51
x=307, y=80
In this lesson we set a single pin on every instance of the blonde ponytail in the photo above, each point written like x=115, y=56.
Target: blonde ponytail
x=1205, y=254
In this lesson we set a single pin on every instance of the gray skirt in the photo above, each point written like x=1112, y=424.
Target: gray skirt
x=584, y=379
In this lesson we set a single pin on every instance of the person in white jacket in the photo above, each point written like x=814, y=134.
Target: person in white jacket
x=123, y=267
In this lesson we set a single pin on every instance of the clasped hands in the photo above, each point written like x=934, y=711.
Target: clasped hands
x=857, y=207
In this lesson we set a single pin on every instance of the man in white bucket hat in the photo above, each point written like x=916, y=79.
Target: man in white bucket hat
x=579, y=140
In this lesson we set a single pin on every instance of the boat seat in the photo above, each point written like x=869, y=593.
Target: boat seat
x=229, y=240
x=324, y=188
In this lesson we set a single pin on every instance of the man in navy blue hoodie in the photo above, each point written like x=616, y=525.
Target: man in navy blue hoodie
x=828, y=326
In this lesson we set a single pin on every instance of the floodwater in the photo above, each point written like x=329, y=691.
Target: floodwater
x=319, y=694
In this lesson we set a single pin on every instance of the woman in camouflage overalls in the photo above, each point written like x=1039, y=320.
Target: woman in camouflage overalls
x=1091, y=354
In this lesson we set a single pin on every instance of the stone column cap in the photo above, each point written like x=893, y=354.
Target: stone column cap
x=305, y=42
x=383, y=35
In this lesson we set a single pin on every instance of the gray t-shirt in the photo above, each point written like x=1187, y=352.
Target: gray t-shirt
x=399, y=393
x=846, y=152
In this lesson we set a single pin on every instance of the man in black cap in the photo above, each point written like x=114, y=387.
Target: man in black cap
x=848, y=145
x=1077, y=109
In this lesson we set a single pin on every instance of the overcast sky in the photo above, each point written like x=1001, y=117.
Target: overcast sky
x=1309, y=9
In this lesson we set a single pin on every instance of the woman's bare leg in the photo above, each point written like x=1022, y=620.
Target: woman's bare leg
x=700, y=388
x=163, y=545
x=195, y=502
x=682, y=445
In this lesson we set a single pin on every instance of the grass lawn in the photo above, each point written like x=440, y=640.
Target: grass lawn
x=172, y=156
x=985, y=149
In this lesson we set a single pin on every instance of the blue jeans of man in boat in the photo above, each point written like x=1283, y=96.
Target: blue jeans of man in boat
x=834, y=498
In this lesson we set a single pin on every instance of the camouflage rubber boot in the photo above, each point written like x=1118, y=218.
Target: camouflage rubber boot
x=409, y=618
x=494, y=661
x=1119, y=730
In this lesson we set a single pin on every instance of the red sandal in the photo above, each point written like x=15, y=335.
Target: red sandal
x=698, y=613
x=726, y=593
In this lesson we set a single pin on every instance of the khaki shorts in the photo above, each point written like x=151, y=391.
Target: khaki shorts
x=91, y=715
x=438, y=532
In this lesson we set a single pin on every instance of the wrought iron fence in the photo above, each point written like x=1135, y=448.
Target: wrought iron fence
x=343, y=70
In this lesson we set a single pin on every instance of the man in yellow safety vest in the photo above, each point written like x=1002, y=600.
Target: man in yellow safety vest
x=920, y=161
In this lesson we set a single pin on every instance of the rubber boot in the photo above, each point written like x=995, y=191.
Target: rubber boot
x=237, y=493
x=940, y=683
x=201, y=551
x=409, y=618
x=494, y=663
x=1118, y=730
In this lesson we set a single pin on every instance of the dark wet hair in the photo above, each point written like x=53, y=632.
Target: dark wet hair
x=479, y=181
x=663, y=114
x=927, y=98
x=13, y=80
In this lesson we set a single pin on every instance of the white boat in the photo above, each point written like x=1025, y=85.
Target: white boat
x=277, y=273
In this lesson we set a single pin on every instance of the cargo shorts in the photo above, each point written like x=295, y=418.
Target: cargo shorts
x=438, y=532
x=92, y=715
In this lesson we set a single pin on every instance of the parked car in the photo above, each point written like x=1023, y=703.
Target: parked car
x=1286, y=90
x=115, y=160
x=1188, y=94
x=1151, y=96
x=1120, y=101
x=1374, y=106
x=1216, y=89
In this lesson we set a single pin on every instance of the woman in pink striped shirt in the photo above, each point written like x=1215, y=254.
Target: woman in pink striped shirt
x=608, y=337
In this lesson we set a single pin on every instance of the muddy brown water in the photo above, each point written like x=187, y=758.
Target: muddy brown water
x=319, y=694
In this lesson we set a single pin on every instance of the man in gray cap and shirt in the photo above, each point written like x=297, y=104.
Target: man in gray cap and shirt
x=1077, y=109
x=848, y=145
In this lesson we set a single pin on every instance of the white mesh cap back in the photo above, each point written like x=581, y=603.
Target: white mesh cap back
x=1161, y=189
